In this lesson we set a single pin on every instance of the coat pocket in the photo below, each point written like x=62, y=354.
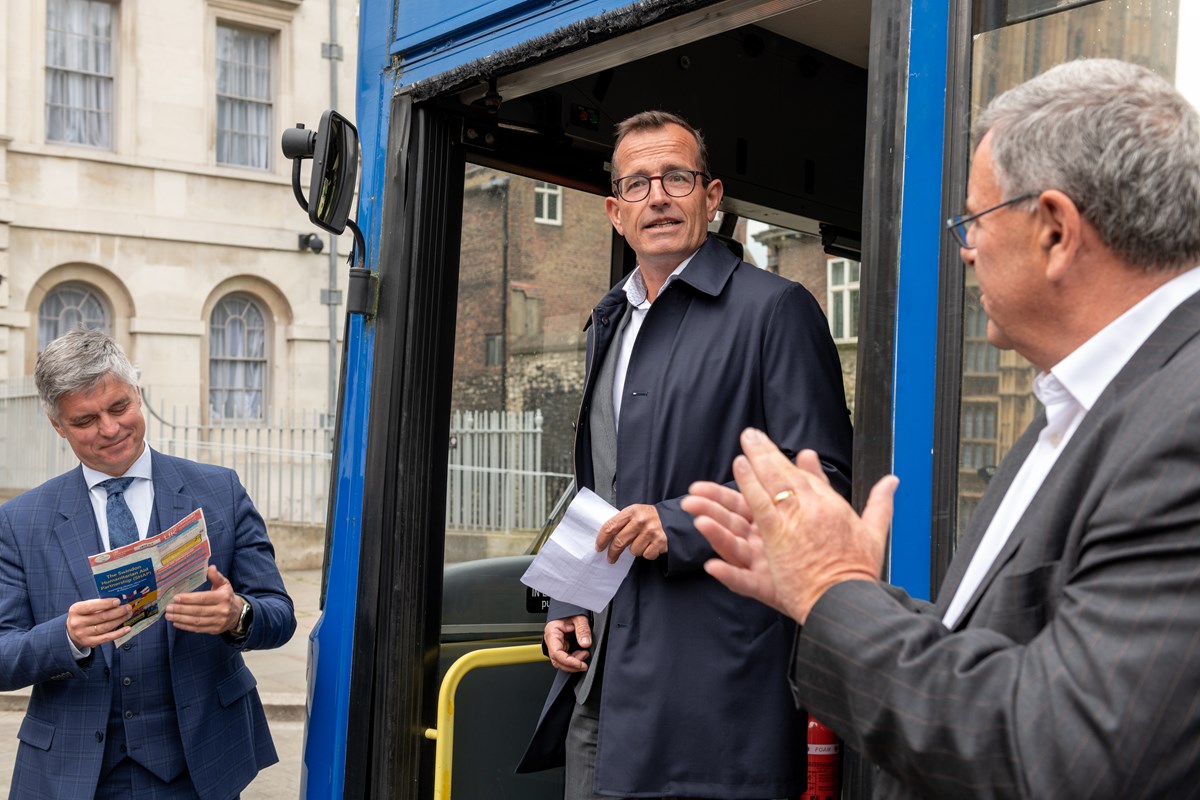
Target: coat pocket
x=236, y=686
x=36, y=733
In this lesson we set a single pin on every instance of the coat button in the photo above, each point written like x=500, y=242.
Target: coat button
x=128, y=715
x=126, y=681
x=99, y=736
x=127, y=646
x=106, y=672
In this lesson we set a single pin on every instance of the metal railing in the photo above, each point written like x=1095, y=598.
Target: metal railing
x=30, y=451
x=283, y=462
x=443, y=734
x=495, y=480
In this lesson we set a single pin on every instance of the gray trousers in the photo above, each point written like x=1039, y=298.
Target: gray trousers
x=582, y=735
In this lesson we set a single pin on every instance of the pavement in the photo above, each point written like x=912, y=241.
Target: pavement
x=282, y=685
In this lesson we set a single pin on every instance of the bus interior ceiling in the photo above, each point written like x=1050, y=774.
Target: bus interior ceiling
x=784, y=121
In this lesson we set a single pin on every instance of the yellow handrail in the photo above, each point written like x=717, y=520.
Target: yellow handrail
x=443, y=734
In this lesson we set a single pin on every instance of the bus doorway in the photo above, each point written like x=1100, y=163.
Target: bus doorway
x=493, y=247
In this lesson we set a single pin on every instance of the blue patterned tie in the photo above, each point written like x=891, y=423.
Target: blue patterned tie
x=122, y=529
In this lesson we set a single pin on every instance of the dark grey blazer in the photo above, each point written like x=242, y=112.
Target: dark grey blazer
x=1074, y=671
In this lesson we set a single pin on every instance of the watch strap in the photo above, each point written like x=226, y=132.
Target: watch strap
x=244, y=619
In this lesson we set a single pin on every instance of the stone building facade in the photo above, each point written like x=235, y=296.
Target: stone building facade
x=143, y=191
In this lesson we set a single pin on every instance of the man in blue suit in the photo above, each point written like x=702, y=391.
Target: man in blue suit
x=172, y=713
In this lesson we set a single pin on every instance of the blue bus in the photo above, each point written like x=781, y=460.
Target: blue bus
x=840, y=131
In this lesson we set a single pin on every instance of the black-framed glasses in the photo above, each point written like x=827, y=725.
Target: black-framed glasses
x=676, y=183
x=961, y=225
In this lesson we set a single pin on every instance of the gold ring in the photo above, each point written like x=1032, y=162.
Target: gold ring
x=781, y=496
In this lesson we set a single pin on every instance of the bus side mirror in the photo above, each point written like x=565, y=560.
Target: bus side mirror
x=334, y=151
x=334, y=173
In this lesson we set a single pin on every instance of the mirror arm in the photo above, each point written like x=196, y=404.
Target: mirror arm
x=358, y=290
x=360, y=246
x=296, y=190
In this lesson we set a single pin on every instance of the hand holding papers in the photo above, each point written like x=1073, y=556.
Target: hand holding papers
x=149, y=573
x=568, y=568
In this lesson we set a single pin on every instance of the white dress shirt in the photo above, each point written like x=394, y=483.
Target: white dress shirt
x=1068, y=391
x=639, y=304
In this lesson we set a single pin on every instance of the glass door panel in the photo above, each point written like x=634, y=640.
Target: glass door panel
x=997, y=400
x=534, y=261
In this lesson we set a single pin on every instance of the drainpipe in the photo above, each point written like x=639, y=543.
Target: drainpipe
x=500, y=185
x=332, y=51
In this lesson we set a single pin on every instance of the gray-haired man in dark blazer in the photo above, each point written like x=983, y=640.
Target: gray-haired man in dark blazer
x=1060, y=659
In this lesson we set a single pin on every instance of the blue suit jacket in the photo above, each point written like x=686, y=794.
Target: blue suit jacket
x=46, y=536
x=696, y=700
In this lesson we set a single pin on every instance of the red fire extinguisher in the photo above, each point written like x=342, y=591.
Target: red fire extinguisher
x=824, y=763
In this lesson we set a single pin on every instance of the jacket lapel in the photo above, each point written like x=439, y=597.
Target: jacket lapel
x=79, y=538
x=171, y=500
x=77, y=533
x=601, y=329
x=171, y=503
x=986, y=510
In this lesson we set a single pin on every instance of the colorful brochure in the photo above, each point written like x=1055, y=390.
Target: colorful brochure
x=148, y=574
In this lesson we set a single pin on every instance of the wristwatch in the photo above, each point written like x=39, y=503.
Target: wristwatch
x=242, y=627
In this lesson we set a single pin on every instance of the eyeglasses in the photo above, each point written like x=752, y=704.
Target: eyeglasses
x=961, y=226
x=676, y=183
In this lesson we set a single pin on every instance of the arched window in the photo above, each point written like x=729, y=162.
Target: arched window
x=69, y=306
x=237, y=359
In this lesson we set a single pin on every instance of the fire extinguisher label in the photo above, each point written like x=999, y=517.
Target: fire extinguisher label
x=824, y=763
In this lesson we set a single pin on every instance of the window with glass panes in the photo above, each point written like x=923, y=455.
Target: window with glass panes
x=979, y=357
x=494, y=350
x=977, y=435
x=237, y=359
x=79, y=72
x=547, y=203
x=69, y=306
x=245, y=108
x=843, y=298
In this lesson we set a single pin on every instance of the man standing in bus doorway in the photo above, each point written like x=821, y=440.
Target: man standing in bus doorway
x=679, y=688
x=1060, y=657
x=173, y=712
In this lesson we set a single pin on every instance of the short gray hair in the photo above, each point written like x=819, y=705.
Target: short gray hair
x=79, y=361
x=1117, y=139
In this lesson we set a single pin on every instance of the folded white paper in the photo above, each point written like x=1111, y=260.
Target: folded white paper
x=568, y=568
